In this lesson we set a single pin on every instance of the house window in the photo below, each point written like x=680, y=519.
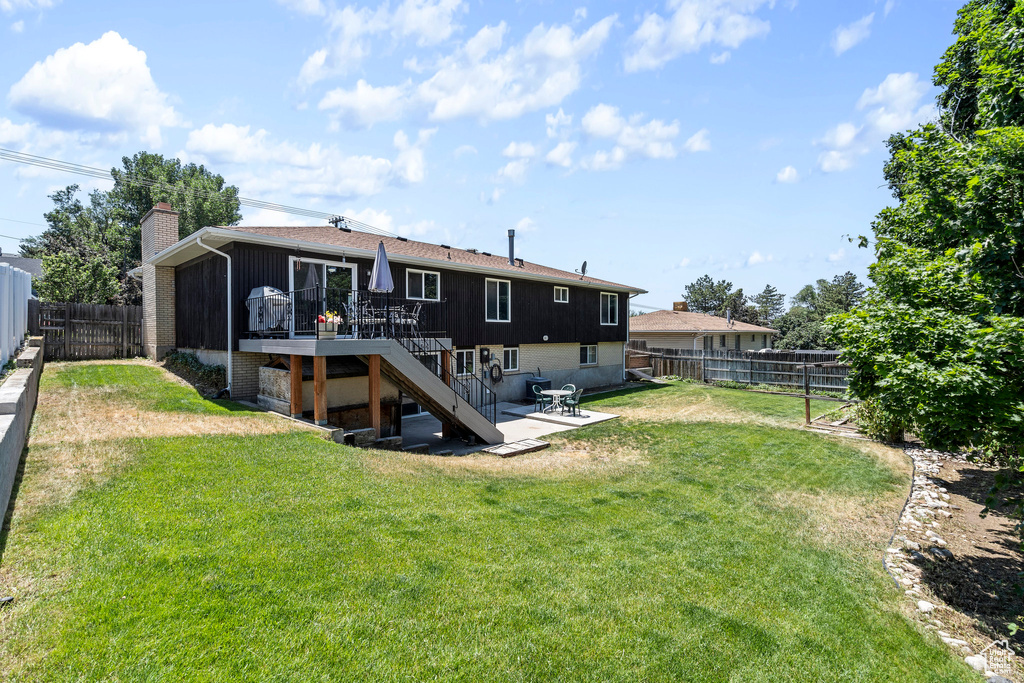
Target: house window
x=423, y=284
x=588, y=354
x=609, y=309
x=737, y=342
x=499, y=300
x=764, y=341
x=510, y=360
x=464, y=360
x=721, y=342
x=561, y=295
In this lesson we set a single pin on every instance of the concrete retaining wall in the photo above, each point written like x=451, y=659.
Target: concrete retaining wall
x=17, y=404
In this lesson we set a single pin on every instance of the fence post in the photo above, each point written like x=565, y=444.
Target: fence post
x=67, y=331
x=124, y=332
x=807, y=396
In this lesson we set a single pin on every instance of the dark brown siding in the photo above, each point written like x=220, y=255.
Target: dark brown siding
x=461, y=315
x=200, y=306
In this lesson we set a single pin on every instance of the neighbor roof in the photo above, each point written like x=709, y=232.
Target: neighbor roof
x=32, y=266
x=446, y=256
x=688, y=321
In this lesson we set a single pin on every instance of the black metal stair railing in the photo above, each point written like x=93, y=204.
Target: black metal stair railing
x=471, y=388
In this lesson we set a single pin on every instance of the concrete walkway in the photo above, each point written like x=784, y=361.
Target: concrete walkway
x=515, y=422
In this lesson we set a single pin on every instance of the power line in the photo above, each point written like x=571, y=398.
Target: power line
x=132, y=179
x=11, y=220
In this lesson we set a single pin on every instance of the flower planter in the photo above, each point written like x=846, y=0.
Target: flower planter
x=326, y=330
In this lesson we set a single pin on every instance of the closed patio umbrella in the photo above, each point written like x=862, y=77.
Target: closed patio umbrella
x=380, y=276
x=380, y=280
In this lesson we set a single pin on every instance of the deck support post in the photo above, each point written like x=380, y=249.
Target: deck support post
x=373, y=362
x=295, y=368
x=320, y=390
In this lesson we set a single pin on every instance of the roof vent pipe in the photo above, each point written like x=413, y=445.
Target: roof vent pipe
x=511, y=247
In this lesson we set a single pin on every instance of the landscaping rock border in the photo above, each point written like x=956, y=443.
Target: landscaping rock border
x=918, y=539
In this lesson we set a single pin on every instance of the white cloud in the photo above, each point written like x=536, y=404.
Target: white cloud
x=365, y=105
x=721, y=57
x=557, y=122
x=429, y=21
x=314, y=171
x=603, y=121
x=561, y=155
x=537, y=73
x=605, y=160
x=268, y=217
x=350, y=31
x=525, y=225
x=493, y=197
x=18, y=26
x=699, y=141
x=12, y=6
x=895, y=101
x=105, y=86
x=892, y=106
x=787, y=175
x=757, y=258
x=514, y=171
x=837, y=256
x=311, y=7
x=517, y=150
x=410, y=163
x=378, y=219
x=463, y=150
x=889, y=5
x=684, y=263
x=692, y=25
x=845, y=37
x=14, y=134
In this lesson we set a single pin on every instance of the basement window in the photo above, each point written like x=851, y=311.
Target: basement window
x=510, y=360
x=588, y=354
x=464, y=360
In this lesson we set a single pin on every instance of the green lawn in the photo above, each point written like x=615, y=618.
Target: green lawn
x=672, y=552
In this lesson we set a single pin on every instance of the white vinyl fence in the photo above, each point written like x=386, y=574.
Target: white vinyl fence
x=15, y=289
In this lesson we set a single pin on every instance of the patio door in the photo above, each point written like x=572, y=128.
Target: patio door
x=320, y=288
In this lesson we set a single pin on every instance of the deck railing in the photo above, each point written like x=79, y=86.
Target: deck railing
x=353, y=314
x=331, y=313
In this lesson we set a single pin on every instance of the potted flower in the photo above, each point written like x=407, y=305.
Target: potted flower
x=327, y=325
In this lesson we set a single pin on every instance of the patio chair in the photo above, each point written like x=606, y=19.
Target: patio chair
x=540, y=401
x=569, y=387
x=572, y=402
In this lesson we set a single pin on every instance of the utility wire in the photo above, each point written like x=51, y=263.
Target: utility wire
x=99, y=173
x=11, y=220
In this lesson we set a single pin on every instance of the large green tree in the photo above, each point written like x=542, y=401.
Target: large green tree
x=803, y=326
x=938, y=344
x=88, y=250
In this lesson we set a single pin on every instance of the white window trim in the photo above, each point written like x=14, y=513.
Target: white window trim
x=564, y=289
x=423, y=280
x=503, y=352
x=589, y=346
x=494, y=320
x=601, y=313
x=472, y=356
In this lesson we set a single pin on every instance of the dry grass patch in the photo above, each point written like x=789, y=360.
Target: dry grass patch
x=560, y=461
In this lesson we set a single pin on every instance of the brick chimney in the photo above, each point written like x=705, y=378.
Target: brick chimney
x=159, y=231
x=680, y=306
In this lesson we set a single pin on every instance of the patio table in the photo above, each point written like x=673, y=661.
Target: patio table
x=556, y=397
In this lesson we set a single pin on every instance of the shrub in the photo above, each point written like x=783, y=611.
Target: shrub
x=188, y=365
x=878, y=423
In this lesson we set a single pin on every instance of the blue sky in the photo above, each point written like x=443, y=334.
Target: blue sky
x=657, y=140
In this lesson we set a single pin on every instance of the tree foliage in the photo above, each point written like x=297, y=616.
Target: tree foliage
x=88, y=249
x=803, y=327
x=939, y=341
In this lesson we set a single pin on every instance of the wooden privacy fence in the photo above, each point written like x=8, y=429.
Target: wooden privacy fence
x=824, y=373
x=90, y=331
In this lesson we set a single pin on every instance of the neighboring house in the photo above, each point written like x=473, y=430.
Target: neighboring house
x=481, y=310
x=681, y=328
x=32, y=266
